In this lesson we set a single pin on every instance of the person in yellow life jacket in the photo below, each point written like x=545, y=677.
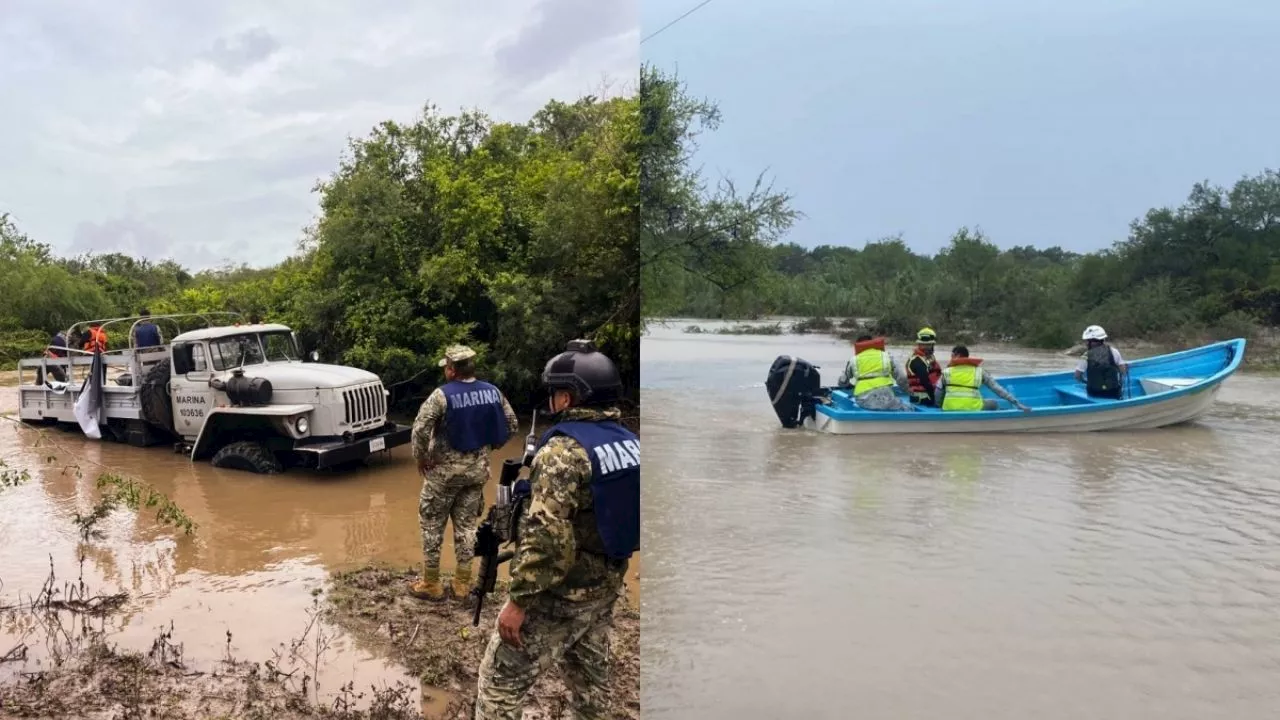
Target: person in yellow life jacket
x=873, y=373
x=923, y=370
x=959, y=388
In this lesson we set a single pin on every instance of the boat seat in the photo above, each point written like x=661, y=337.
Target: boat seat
x=1152, y=386
x=1076, y=395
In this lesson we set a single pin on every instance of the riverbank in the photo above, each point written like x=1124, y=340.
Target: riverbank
x=1261, y=355
x=437, y=643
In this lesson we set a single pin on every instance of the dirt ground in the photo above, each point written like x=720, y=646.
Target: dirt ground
x=437, y=642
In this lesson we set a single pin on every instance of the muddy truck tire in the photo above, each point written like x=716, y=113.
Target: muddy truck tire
x=248, y=455
x=157, y=406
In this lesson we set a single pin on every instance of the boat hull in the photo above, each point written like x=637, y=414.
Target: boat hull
x=1163, y=390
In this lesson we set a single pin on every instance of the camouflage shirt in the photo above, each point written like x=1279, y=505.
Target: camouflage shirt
x=561, y=553
x=431, y=442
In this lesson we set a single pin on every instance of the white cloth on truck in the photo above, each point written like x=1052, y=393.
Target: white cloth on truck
x=89, y=404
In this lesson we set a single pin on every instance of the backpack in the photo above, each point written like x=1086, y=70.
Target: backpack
x=1101, y=375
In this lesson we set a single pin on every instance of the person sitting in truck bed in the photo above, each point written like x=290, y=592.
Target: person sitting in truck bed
x=146, y=334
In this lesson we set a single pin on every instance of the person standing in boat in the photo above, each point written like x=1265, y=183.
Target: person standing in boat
x=1102, y=370
x=959, y=388
x=872, y=373
x=923, y=370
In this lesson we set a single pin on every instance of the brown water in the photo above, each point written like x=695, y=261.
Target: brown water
x=263, y=545
x=1124, y=575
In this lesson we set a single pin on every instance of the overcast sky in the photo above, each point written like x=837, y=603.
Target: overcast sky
x=197, y=130
x=1045, y=123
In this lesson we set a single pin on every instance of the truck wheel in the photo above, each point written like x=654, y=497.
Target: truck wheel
x=157, y=406
x=247, y=455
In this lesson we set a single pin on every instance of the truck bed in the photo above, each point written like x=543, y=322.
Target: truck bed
x=43, y=402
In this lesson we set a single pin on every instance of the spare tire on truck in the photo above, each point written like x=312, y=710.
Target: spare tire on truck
x=153, y=394
x=793, y=386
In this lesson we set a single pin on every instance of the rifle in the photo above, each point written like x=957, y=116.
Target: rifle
x=502, y=523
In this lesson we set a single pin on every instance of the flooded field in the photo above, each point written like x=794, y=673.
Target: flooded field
x=265, y=548
x=1125, y=575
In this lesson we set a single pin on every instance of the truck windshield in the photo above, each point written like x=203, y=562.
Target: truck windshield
x=235, y=350
x=279, y=346
x=252, y=349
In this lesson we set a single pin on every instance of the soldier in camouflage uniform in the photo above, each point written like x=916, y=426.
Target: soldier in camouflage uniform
x=583, y=525
x=455, y=429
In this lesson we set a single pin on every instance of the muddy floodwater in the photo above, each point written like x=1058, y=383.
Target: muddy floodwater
x=1120, y=575
x=265, y=545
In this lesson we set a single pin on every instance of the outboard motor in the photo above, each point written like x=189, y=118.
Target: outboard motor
x=793, y=386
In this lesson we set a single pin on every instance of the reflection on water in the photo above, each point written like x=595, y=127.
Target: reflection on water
x=1057, y=576
x=264, y=543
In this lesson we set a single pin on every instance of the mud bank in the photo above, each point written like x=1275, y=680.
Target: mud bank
x=436, y=642
x=98, y=681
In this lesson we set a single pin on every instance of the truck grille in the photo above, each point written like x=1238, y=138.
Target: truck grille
x=364, y=405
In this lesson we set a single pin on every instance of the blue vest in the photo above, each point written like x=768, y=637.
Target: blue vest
x=146, y=335
x=615, y=481
x=473, y=416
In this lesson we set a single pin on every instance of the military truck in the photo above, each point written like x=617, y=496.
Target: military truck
x=238, y=394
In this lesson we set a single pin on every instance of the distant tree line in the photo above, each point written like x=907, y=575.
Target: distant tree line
x=1208, y=268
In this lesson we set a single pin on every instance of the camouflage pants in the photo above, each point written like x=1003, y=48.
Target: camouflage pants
x=883, y=398
x=575, y=633
x=457, y=498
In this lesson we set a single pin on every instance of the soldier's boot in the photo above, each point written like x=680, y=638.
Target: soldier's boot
x=462, y=582
x=428, y=587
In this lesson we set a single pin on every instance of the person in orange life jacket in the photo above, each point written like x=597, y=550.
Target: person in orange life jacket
x=96, y=341
x=146, y=334
x=1102, y=370
x=872, y=373
x=923, y=370
x=958, y=388
x=454, y=463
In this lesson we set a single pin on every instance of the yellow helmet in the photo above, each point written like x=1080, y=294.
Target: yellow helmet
x=926, y=336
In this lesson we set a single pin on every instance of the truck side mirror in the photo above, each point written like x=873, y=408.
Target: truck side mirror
x=182, y=362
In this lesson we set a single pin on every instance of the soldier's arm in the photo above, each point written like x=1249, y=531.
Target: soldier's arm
x=547, y=543
x=513, y=423
x=424, y=426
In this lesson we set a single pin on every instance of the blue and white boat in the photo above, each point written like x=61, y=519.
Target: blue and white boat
x=1159, y=391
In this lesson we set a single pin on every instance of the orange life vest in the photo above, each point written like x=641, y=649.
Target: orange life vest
x=966, y=361
x=97, y=340
x=877, y=343
x=935, y=372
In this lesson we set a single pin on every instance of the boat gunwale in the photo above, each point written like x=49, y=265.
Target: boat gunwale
x=842, y=415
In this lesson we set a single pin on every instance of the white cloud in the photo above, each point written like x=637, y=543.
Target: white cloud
x=197, y=130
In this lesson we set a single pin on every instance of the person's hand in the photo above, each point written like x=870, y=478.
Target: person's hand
x=425, y=465
x=509, y=622
x=1024, y=408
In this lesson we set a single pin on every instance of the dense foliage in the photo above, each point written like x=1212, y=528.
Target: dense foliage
x=1209, y=267
x=513, y=238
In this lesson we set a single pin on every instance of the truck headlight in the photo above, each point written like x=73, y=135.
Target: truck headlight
x=302, y=425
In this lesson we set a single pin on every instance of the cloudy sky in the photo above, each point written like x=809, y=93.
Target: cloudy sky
x=197, y=130
x=1044, y=122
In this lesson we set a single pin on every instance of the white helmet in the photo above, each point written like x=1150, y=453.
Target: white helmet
x=1094, y=332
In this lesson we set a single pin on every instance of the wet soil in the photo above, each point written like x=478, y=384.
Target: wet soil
x=97, y=680
x=436, y=642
